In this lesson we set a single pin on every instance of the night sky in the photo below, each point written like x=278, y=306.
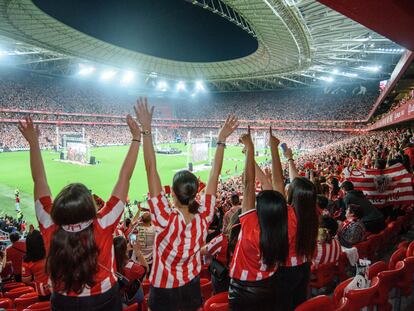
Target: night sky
x=173, y=29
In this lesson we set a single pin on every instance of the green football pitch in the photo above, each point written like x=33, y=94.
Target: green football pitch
x=15, y=174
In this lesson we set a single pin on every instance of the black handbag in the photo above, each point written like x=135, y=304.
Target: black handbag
x=218, y=270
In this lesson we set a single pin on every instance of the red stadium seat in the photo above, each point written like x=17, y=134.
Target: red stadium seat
x=323, y=275
x=364, y=249
x=397, y=256
x=6, y=303
x=410, y=250
x=376, y=268
x=25, y=300
x=206, y=289
x=341, y=267
x=11, y=285
x=219, y=302
x=133, y=307
x=19, y=291
x=403, y=244
x=406, y=281
x=40, y=306
x=358, y=299
x=388, y=280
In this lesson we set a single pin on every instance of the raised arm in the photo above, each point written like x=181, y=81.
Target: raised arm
x=261, y=176
x=293, y=171
x=144, y=116
x=122, y=186
x=277, y=173
x=249, y=192
x=228, y=128
x=31, y=134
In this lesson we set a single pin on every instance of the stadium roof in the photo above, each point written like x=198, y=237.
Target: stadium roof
x=300, y=43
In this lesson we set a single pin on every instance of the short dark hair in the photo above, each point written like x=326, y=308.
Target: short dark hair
x=322, y=201
x=14, y=237
x=380, y=164
x=347, y=185
x=35, y=247
x=235, y=199
x=330, y=224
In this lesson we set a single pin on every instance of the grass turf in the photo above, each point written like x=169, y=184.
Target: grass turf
x=15, y=173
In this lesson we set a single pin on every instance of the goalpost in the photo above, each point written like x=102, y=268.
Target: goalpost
x=199, y=149
x=75, y=146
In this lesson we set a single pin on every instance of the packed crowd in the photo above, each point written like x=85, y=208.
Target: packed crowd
x=293, y=216
x=21, y=90
x=97, y=135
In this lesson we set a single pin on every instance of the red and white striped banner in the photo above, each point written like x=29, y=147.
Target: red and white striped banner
x=391, y=186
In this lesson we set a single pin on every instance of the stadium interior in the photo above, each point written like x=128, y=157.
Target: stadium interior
x=276, y=171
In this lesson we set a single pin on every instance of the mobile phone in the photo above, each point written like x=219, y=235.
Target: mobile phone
x=283, y=146
x=133, y=237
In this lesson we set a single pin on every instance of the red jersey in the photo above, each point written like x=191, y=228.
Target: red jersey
x=134, y=271
x=327, y=252
x=17, y=200
x=293, y=259
x=15, y=254
x=177, y=258
x=38, y=271
x=246, y=264
x=103, y=226
x=217, y=247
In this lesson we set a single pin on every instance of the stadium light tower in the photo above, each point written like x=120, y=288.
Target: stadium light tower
x=128, y=78
x=108, y=75
x=181, y=86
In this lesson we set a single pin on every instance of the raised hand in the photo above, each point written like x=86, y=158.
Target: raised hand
x=246, y=139
x=133, y=127
x=288, y=153
x=30, y=132
x=228, y=128
x=273, y=140
x=144, y=115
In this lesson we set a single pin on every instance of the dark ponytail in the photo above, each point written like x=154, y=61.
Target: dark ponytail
x=185, y=187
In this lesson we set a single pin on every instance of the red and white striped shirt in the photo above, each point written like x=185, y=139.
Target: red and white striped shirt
x=217, y=247
x=293, y=259
x=177, y=258
x=327, y=252
x=246, y=264
x=103, y=226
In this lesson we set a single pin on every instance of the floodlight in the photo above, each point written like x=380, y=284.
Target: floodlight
x=181, y=86
x=162, y=86
x=128, y=77
x=108, y=75
x=85, y=70
x=199, y=86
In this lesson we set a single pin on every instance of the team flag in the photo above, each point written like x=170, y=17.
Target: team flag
x=391, y=186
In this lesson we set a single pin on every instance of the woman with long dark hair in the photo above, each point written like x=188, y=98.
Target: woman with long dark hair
x=263, y=242
x=181, y=229
x=34, y=264
x=78, y=239
x=292, y=278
